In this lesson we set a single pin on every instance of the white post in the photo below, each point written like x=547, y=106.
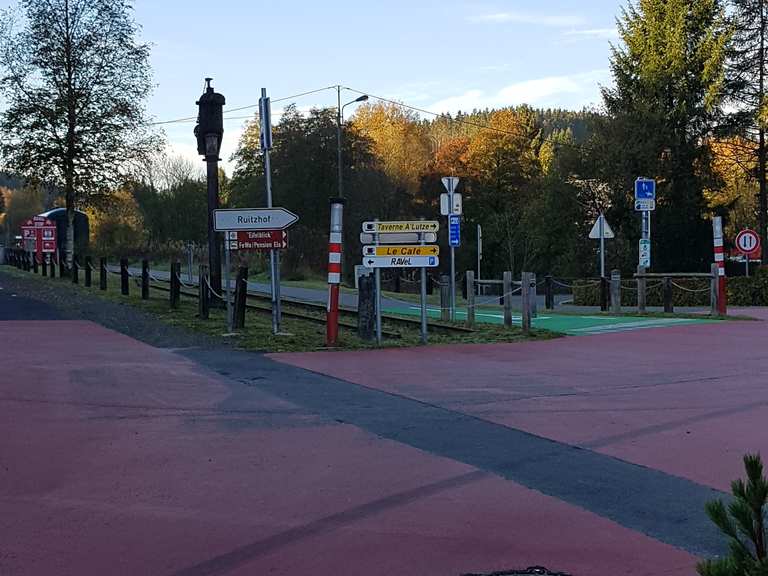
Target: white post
x=602, y=245
x=479, y=254
x=226, y=281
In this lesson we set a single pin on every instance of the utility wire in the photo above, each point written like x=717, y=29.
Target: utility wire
x=292, y=97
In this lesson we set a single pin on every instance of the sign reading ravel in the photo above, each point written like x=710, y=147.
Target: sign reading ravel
x=401, y=250
x=262, y=240
x=401, y=261
x=405, y=226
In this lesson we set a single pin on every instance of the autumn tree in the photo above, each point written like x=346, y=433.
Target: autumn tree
x=74, y=78
x=747, y=69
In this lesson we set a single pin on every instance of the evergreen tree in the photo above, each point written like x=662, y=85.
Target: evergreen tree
x=669, y=76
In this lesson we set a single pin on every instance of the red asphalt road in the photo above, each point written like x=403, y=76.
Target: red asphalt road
x=117, y=458
x=688, y=400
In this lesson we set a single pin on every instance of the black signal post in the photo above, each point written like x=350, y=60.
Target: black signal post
x=209, y=131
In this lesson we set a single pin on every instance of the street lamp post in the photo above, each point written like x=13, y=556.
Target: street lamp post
x=339, y=122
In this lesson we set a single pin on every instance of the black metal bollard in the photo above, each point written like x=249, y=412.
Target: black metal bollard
x=549, y=292
x=75, y=271
x=668, y=305
x=62, y=267
x=53, y=266
x=102, y=273
x=124, y=286
x=175, y=294
x=204, y=300
x=241, y=293
x=145, y=279
x=603, y=294
x=44, y=265
x=88, y=267
x=34, y=263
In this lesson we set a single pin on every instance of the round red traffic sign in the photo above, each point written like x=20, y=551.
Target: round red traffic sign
x=748, y=242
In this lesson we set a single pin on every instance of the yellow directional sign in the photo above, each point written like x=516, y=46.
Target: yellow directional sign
x=401, y=226
x=403, y=250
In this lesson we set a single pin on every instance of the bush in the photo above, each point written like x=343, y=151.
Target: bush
x=752, y=291
x=587, y=292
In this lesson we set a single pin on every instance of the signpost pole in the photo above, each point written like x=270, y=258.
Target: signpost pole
x=602, y=245
x=479, y=254
x=226, y=280
x=378, y=294
x=274, y=258
x=453, y=252
x=423, y=296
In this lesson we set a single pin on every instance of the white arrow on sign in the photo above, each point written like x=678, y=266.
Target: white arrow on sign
x=253, y=219
x=401, y=261
x=450, y=183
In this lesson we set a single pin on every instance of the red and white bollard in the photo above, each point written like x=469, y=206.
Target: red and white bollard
x=334, y=271
x=722, y=288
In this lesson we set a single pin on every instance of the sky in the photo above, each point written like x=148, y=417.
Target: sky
x=441, y=55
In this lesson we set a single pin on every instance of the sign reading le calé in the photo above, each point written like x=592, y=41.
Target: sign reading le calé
x=401, y=250
x=253, y=219
x=401, y=226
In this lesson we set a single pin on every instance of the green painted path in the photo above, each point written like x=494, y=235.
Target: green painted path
x=572, y=324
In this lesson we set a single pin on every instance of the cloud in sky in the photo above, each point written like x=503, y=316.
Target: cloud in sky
x=597, y=33
x=573, y=91
x=533, y=18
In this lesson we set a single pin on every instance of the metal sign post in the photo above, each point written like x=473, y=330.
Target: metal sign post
x=602, y=245
x=479, y=254
x=454, y=223
x=645, y=203
x=226, y=280
x=423, y=297
x=377, y=274
x=265, y=114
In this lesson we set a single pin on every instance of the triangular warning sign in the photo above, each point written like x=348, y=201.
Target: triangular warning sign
x=607, y=232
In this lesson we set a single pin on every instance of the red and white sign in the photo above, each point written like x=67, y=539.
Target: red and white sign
x=40, y=234
x=748, y=242
x=260, y=240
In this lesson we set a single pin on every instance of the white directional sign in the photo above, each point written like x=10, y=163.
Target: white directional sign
x=253, y=219
x=401, y=250
x=401, y=261
x=401, y=226
x=399, y=238
x=445, y=204
x=594, y=234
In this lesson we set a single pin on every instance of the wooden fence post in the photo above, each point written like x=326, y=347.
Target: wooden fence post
x=641, y=287
x=53, y=266
x=603, y=294
x=549, y=292
x=175, y=294
x=88, y=272
x=241, y=293
x=124, y=287
x=470, y=297
x=526, y=279
x=668, y=306
x=75, y=271
x=62, y=266
x=204, y=298
x=506, y=288
x=44, y=265
x=145, y=279
x=102, y=273
x=615, y=291
x=445, y=298
x=34, y=263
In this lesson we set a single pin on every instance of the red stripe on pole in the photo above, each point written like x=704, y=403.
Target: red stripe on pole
x=334, y=247
x=334, y=267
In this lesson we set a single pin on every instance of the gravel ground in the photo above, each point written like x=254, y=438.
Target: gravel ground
x=69, y=303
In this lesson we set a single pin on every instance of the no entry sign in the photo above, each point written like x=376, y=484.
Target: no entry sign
x=748, y=242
